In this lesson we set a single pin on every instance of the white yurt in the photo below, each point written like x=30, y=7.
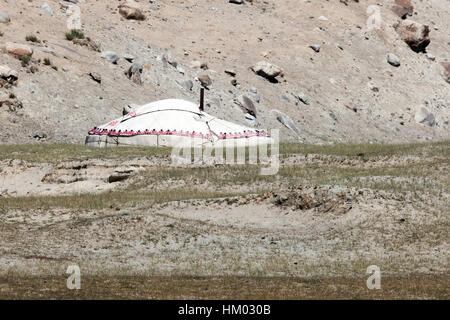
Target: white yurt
x=170, y=123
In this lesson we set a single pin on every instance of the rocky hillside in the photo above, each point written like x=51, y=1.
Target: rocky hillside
x=320, y=71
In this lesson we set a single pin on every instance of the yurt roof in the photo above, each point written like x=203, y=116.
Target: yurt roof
x=175, y=116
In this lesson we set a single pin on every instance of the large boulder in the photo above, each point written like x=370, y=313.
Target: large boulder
x=267, y=70
x=19, y=50
x=424, y=116
x=131, y=10
x=403, y=8
x=416, y=35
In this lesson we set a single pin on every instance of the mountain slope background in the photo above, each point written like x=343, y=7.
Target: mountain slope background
x=58, y=100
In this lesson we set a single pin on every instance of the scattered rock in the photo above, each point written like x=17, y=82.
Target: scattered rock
x=446, y=73
x=333, y=116
x=128, y=108
x=120, y=175
x=315, y=47
x=19, y=50
x=8, y=74
x=393, y=60
x=230, y=72
x=267, y=70
x=205, y=80
x=416, y=35
x=170, y=59
x=110, y=56
x=424, y=116
x=372, y=86
x=4, y=17
x=302, y=98
x=236, y=1
x=46, y=9
x=351, y=106
x=251, y=120
x=199, y=65
x=96, y=77
x=247, y=105
x=134, y=72
x=129, y=57
x=403, y=8
x=431, y=57
x=131, y=10
x=187, y=84
x=39, y=135
x=87, y=43
x=288, y=123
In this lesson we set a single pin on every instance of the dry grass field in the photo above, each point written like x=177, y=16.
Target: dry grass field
x=225, y=231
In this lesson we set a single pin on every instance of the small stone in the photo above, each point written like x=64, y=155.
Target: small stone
x=110, y=56
x=393, y=60
x=46, y=9
x=8, y=74
x=4, y=17
x=267, y=70
x=129, y=57
x=39, y=135
x=230, y=72
x=205, y=80
x=302, y=98
x=96, y=77
x=424, y=116
x=187, y=84
x=315, y=47
x=130, y=10
x=199, y=65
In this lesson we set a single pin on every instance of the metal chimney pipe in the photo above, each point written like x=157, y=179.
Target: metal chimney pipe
x=202, y=99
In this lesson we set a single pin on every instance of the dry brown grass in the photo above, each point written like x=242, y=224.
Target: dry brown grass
x=406, y=287
x=64, y=152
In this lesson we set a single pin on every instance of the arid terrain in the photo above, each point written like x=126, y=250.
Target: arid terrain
x=359, y=91
x=346, y=92
x=140, y=228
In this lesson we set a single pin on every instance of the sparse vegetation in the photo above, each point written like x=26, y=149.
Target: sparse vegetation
x=74, y=34
x=32, y=38
x=221, y=287
x=146, y=213
x=47, y=62
x=25, y=60
x=12, y=96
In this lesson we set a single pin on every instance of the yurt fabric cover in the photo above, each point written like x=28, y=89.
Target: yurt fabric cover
x=173, y=122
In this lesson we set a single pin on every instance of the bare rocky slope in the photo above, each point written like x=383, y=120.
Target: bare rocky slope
x=339, y=81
